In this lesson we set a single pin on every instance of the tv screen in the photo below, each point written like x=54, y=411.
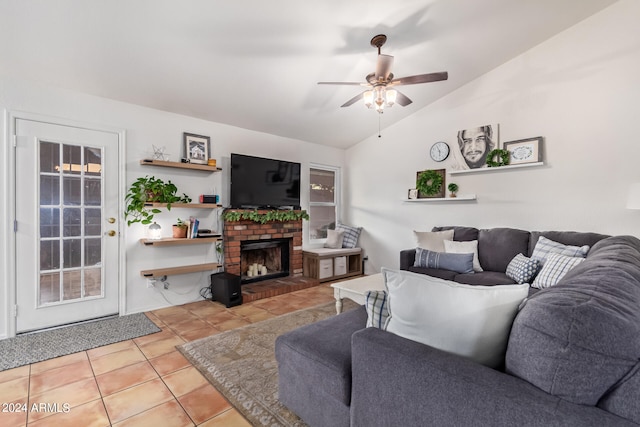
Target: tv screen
x=257, y=182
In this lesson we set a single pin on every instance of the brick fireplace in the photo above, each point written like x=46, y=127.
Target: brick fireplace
x=261, y=240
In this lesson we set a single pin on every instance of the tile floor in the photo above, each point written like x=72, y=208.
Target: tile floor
x=141, y=382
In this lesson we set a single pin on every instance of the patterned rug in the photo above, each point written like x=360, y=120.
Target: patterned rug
x=241, y=364
x=39, y=346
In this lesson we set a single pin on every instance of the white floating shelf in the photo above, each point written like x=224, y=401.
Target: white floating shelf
x=498, y=168
x=460, y=198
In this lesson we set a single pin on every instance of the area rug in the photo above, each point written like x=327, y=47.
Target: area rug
x=39, y=346
x=241, y=364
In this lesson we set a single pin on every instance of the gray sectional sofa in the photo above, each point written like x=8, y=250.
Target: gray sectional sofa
x=573, y=356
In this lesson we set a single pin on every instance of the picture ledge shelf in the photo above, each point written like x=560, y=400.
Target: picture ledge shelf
x=498, y=168
x=460, y=198
x=177, y=165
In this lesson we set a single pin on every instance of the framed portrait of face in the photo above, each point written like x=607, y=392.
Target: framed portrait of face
x=474, y=144
x=524, y=150
x=196, y=148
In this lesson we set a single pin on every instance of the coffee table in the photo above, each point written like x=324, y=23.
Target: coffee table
x=355, y=289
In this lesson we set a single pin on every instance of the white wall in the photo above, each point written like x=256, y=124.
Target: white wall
x=579, y=90
x=145, y=127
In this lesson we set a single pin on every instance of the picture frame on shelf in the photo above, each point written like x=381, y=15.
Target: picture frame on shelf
x=523, y=151
x=435, y=183
x=197, y=148
x=413, y=194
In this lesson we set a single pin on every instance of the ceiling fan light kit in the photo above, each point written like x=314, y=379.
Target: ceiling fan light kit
x=380, y=92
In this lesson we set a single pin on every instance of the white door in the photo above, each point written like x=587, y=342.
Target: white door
x=67, y=228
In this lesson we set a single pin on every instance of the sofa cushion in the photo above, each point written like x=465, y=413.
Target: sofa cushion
x=434, y=241
x=460, y=234
x=573, y=238
x=454, y=247
x=460, y=263
x=377, y=308
x=554, y=269
x=484, y=278
x=578, y=340
x=522, y=269
x=498, y=246
x=435, y=272
x=545, y=247
x=471, y=321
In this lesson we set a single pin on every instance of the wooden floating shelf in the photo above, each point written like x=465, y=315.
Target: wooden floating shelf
x=170, y=241
x=461, y=198
x=184, y=205
x=192, y=166
x=495, y=169
x=170, y=271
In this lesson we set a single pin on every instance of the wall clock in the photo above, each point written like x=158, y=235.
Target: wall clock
x=439, y=151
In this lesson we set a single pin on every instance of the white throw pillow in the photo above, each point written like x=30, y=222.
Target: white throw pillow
x=554, y=269
x=453, y=247
x=432, y=240
x=545, y=246
x=334, y=239
x=471, y=321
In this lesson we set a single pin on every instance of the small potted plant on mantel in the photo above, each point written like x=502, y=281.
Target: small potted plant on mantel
x=453, y=188
x=179, y=229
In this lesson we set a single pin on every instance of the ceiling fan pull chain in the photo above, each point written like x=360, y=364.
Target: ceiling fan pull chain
x=379, y=119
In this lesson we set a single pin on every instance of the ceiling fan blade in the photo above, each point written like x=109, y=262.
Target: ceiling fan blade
x=383, y=66
x=402, y=99
x=420, y=78
x=353, y=100
x=344, y=83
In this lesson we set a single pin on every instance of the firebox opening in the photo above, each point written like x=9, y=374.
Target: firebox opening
x=264, y=259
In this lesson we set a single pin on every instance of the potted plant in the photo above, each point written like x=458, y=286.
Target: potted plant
x=453, y=188
x=180, y=229
x=147, y=190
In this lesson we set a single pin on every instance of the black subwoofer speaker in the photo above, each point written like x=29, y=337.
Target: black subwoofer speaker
x=226, y=288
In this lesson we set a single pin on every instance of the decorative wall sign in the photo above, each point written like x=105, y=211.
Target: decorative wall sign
x=196, y=148
x=431, y=183
x=413, y=193
x=474, y=144
x=524, y=150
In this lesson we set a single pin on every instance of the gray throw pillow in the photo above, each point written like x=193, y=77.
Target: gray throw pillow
x=460, y=263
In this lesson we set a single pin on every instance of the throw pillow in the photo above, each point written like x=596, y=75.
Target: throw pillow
x=522, y=269
x=453, y=247
x=460, y=263
x=334, y=239
x=377, y=308
x=433, y=240
x=545, y=246
x=468, y=320
x=351, y=235
x=554, y=269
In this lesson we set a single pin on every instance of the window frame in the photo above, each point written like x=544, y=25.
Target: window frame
x=336, y=196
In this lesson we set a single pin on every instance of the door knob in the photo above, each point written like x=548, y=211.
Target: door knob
x=111, y=220
x=111, y=233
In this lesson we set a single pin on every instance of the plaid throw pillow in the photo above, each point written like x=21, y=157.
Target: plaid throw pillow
x=545, y=246
x=377, y=309
x=554, y=269
x=522, y=269
x=351, y=235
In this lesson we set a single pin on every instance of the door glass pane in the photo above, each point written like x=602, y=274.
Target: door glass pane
x=72, y=222
x=93, y=161
x=49, y=190
x=321, y=218
x=72, y=191
x=49, y=288
x=92, y=222
x=49, y=157
x=92, y=252
x=72, y=159
x=49, y=222
x=49, y=254
x=93, y=282
x=72, y=285
x=322, y=186
x=92, y=194
x=72, y=249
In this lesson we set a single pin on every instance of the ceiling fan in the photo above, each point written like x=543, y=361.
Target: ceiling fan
x=380, y=83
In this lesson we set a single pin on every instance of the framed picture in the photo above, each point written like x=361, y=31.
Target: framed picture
x=196, y=148
x=474, y=144
x=413, y=194
x=434, y=181
x=524, y=150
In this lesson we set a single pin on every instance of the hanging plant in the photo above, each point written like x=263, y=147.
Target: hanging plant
x=147, y=190
x=265, y=216
x=501, y=155
x=429, y=182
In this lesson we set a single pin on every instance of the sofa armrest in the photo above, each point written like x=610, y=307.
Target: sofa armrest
x=407, y=258
x=396, y=381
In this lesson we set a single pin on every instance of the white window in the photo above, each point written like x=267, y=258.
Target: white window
x=323, y=200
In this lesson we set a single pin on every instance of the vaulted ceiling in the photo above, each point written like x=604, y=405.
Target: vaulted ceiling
x=255, y=64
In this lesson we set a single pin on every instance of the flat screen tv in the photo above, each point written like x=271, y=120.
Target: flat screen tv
x=257, y=182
